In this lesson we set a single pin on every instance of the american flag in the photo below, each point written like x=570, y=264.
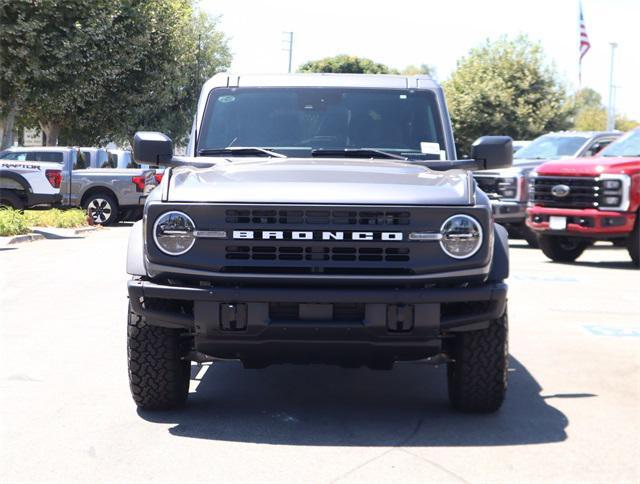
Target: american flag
x=584, y=43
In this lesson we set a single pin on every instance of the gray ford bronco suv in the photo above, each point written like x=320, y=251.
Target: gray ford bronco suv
x=319, y=218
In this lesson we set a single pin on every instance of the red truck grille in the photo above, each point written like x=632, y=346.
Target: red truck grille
x=583, y=192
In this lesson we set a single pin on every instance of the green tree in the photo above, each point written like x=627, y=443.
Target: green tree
x=588, y=112
x=18, y=32
x=345, y=64
x=101, y=69
x=625, y=124
x=587, y=98
x=591, y=118
x=65, y=51
x=591, y=114
x=413, y=70
x=163, y=91
x=504, y=87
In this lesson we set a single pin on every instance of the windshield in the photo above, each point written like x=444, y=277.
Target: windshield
x=628, y=145
x=550, y=147
x=295, y=121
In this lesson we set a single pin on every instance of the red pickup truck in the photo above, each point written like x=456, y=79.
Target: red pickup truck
x=578, y=202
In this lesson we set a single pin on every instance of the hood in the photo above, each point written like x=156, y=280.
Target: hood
x=325, y=181
x=590, y=166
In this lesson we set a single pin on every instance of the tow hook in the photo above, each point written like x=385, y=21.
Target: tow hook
x=439, y=359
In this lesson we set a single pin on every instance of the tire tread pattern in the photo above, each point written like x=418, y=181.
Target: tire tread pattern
x=478, y=375
x=158, y=376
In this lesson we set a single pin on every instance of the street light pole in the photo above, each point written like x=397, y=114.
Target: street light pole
x=290, y=47
x=611, y=112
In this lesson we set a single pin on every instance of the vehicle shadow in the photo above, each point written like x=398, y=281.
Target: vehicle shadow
x=519, y=244
x=321, y=405
x=57, y=236
x=122, y=224
x=624, y=265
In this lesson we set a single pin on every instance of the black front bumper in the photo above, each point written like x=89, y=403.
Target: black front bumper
x=289, y=324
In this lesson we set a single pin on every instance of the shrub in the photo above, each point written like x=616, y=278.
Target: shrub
x=12, y=222
x=54, y=217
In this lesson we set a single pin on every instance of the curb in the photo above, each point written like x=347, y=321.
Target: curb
x=61, y=233
x=19, y=239
x=84, y=230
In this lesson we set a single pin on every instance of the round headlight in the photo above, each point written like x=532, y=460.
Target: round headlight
x=173, y=233
x=461, y=236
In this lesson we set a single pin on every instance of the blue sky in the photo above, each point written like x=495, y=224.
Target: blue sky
x=437, y=33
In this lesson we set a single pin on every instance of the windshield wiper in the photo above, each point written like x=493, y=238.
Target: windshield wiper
x=356, y=153
x=240, y=151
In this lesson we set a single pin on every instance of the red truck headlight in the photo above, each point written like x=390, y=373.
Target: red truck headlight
x=613, y=192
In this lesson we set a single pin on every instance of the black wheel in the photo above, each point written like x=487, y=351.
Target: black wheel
x=633, y=243
x=562, y=249
x=531, y=237
x=102, y=208
x=9, y=199
x=158, y=375
x=477, y=376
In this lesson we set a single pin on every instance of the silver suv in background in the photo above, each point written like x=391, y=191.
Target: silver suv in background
x=508, y=188
x=108, y=194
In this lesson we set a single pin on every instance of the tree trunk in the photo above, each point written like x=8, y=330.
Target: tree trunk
x=7, y=124
x=52, y=131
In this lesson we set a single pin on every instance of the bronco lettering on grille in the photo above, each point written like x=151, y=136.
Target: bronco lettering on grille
x=315, y=235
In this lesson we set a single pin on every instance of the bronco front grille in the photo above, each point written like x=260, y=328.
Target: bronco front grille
x=583, y=192
x=317, y=217
x=341, y=254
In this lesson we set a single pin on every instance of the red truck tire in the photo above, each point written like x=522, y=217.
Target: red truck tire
x=633, y=243
x=562, y=249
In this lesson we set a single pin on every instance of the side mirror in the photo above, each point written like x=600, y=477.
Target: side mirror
x=152, y=148
x=493, y=152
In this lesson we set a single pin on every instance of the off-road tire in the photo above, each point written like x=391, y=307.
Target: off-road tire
x=477, y=374
x=633, y=243
x=562, y=249
x=158, y=376
x=9, y=199
x=97, y=205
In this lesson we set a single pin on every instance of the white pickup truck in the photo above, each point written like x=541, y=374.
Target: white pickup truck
x=26, y=183
x=108, y=194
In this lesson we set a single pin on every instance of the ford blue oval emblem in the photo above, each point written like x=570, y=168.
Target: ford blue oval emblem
x=560, y=191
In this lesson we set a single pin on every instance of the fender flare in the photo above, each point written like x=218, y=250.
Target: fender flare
x=96, y=188
x=16, y=177
x=500, y=260
x=135, y=251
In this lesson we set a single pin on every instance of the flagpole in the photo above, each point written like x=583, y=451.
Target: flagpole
x=584, y=44
x=611, y=112
x=580, y=44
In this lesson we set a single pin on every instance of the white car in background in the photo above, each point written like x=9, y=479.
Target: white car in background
x=30, y=178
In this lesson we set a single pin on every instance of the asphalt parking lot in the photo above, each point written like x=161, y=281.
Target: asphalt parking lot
x=572, y=411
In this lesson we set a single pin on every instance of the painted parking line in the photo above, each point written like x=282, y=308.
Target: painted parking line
x=612, y=331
